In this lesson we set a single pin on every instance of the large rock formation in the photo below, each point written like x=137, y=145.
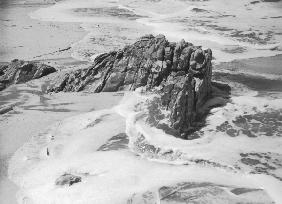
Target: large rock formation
x=19, y=71
x=148, y=62
x=182, y=72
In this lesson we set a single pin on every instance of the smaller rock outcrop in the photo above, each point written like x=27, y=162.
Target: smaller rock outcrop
x=19, y=71
x=67, y=179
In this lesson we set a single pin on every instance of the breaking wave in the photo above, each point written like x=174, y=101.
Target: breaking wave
x=244, y=131
x=116, y=152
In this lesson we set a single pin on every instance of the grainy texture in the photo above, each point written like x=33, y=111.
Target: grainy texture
x=19, y=71
x=181, y=71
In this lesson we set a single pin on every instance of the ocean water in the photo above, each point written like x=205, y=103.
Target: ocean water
x=237, y=29
x=118, y=154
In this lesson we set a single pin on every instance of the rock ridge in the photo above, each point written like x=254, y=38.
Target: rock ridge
x=179, y=72
x=147, y=62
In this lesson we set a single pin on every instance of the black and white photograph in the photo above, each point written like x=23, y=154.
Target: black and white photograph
x=141, y=101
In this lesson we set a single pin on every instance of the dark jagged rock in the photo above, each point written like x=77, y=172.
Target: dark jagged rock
x=147, y=62
x=19, y=71
x=67, y=179
x=182, y=72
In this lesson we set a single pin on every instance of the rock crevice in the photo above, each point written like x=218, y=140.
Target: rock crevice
x=181, y=71
x=147, y=62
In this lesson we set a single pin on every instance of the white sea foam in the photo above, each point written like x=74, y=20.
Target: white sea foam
x=112, y=176
x=159, y=18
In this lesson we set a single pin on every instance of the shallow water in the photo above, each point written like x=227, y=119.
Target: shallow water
x=118, y=154
x=132, y=156
x=233, y=30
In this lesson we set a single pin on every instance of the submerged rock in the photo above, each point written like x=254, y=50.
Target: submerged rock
x=19, y=71
x=67, y=179
x=179, y=72
x=119, y=141
x=202, y=192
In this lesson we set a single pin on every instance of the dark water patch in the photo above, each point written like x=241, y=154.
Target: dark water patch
x=117, y=142
x=252, y=36
x=254, y=125
x=266, y=123
x=268, y=65
x=257, y=83
x=271, y=95
x=228, y=129
x=108, y=12
x=263, y=162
